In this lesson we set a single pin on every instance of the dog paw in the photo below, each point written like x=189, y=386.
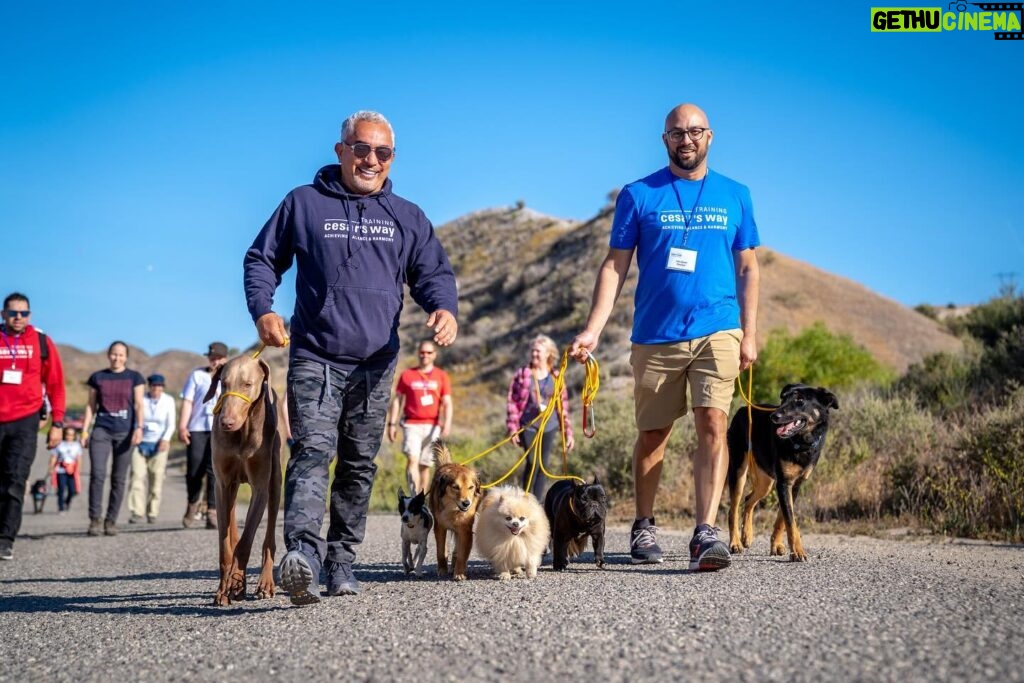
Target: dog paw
x=531, y=572
x=778, y=550
x=459, y=577
x=221, y=600
x=504, y=576
x=600, y=564
x=735, y=548
x=800, y=556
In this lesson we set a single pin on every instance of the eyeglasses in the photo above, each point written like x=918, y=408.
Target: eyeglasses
x=677, y=134
x=362, y=150
x=18, y=314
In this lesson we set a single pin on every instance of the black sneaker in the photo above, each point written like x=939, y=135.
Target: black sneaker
x=643, y=543
x=299, y=572
x=6, y=550
x=341, y=580
x=707, y=553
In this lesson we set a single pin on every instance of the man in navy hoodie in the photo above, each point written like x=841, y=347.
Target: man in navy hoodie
x=355, y=244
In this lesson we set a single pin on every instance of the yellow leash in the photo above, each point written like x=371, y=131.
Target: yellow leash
x=591, y=384
x=750, y=408
x=220, y=401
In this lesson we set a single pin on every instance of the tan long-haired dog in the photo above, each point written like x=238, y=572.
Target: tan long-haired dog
x=512, y=531
x=454, y=496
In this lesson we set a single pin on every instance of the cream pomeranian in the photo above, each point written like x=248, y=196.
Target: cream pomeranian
x=511, y=531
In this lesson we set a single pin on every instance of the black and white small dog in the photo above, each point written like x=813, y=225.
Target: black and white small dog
x=39, y=493
x=417, y=523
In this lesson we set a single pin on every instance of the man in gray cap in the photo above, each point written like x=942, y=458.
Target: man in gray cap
x=149, y=459
x=194, y=429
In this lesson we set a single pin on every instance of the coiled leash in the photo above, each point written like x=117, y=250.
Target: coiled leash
x=590, y=387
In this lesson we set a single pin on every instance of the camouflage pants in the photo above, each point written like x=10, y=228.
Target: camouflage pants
x=332, y=413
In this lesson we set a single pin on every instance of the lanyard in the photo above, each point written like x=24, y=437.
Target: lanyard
x=9, y=347
x=426, y=381
x=536, y=387
x=696, y=202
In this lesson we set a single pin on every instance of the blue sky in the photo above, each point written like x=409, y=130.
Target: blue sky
x=143, y=146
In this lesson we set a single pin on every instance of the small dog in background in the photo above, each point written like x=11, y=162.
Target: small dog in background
x=576, y=511
x=511, y=532
x=416, y=525
x=454, y=496
x=786, y=444
x=39, y=493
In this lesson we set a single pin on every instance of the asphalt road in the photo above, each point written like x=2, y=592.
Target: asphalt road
x=138, y=606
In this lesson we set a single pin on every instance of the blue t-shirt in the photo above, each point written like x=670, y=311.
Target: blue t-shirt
x=665, y=217
x=115, y=399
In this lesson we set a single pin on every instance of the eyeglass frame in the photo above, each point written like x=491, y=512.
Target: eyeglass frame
x=369, y=148
x=684, y=132
x=8, y=313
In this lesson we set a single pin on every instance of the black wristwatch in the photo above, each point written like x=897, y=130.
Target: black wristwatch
x=58, y=424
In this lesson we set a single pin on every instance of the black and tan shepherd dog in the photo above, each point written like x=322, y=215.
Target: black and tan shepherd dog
x=786, y=444
x=576, y=511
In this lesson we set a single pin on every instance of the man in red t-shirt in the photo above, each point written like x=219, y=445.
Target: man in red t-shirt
x=25, y=373
x=423, y=399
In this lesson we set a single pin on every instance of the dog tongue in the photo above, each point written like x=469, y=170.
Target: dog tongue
x=515, y=531
x=787, y=429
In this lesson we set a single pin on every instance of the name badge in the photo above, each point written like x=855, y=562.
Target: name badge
x=684, y=260
x=426, y=399
x=12, y=377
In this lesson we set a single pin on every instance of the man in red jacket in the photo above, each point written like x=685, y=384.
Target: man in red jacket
x=26, y=367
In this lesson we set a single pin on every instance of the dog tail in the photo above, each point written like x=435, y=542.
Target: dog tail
x=442, y=456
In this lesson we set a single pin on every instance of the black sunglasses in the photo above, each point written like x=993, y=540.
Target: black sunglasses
x=18, y=314
x=362, y=150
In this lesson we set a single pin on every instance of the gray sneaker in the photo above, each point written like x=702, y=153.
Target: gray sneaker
x=643, y=542
x=95, y=527
x=707, y=553
x=341, y=580
x=298, y=573
x=6, y=550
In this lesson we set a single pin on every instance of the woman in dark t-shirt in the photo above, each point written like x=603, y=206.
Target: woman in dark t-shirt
x=115, y=401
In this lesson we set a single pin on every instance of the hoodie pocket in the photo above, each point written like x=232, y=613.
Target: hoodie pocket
x=356, y=322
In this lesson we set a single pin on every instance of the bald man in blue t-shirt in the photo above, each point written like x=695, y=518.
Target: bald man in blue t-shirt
x=695, y=319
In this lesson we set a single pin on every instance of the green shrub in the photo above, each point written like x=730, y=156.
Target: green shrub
x=816, y=357
x=979, y=484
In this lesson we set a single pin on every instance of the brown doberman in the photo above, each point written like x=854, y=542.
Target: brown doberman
x=246, y=449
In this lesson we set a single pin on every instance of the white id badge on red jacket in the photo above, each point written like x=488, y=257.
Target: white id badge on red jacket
x=11, y=377
x=426, y=399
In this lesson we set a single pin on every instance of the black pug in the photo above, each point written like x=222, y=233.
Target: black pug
x=575, y=511
x=787, y=443
x=39, y=493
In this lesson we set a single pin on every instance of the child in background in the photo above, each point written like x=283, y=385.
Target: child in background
x=65, y=465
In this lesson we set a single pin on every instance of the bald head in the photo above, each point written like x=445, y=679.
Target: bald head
x=686, y=116
x=687, y=138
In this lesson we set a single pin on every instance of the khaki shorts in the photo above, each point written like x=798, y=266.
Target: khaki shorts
x=661, y=373
x=418, y=439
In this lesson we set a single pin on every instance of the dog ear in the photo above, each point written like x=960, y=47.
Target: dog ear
x=827, y=398
x=265, y=367
x=214, y=382
x=401, y=492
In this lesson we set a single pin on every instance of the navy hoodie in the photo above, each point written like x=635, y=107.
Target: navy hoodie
x=353, y=254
